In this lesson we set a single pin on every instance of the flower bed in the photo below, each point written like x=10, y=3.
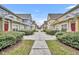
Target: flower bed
x=71, y=39
x=9, y=38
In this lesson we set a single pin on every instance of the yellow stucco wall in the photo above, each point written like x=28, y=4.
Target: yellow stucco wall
x=50, y=22
x=76, y=25
x=68, y=22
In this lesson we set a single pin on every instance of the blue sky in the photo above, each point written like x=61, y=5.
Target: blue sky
x=39, y=11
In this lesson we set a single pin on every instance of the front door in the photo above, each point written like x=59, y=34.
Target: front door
x=73, y=27
x=6, y=25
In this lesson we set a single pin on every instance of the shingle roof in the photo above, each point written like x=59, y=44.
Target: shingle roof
x=24, y=16
x=77, y=6
x=4, y=8
x=54, y=16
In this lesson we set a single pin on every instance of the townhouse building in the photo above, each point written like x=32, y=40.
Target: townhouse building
x=26, y=19
x=69, y=21
x=10, y=21
x=51, y=19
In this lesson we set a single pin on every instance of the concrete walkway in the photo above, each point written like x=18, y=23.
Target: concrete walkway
x=40, y=47
x=39, y=36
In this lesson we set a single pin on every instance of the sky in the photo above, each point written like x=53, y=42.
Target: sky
x=39, y=11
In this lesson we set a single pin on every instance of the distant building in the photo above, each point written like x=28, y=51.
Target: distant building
x=34, y=25
x=69, y=21
x=50, y=19
x=44, y=26
x=26, y=19
x=12, y=22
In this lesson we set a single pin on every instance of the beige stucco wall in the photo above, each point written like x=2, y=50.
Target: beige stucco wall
x=49, y=24
x=21, y=27
x=10, y=26
x=15, y=25
x=59, y=25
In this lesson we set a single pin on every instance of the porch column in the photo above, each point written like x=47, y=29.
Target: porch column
x=69, y=26
x=76, y=24
x=3, y=24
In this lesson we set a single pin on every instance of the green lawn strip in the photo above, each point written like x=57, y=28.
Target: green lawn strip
x=22, y=49
x=57, y=48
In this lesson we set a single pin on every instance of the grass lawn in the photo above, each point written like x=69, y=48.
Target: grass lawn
x=58, y=48
x=22, y=48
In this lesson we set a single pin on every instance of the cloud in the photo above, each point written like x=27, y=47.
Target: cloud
x=70, y=7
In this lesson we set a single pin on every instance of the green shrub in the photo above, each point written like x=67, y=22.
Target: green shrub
x=51, y=32
x=35, y=31
x=44, y=31
x=9, y=38
x=71, y=39
x=28, y=32
x=59, y=33
x=64, y=30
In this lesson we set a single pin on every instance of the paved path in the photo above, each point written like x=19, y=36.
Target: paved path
x=39, y=36
x=40, y=47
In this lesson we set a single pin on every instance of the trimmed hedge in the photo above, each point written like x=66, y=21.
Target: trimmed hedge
x=70, y=39
x=59, y=33
x=51, y=32
x=28, y=32
x=9, y=38
x=44, y=30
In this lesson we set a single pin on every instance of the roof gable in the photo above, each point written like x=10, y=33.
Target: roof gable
x=54, y=16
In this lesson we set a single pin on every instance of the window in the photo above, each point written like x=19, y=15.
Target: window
x=64, y=27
